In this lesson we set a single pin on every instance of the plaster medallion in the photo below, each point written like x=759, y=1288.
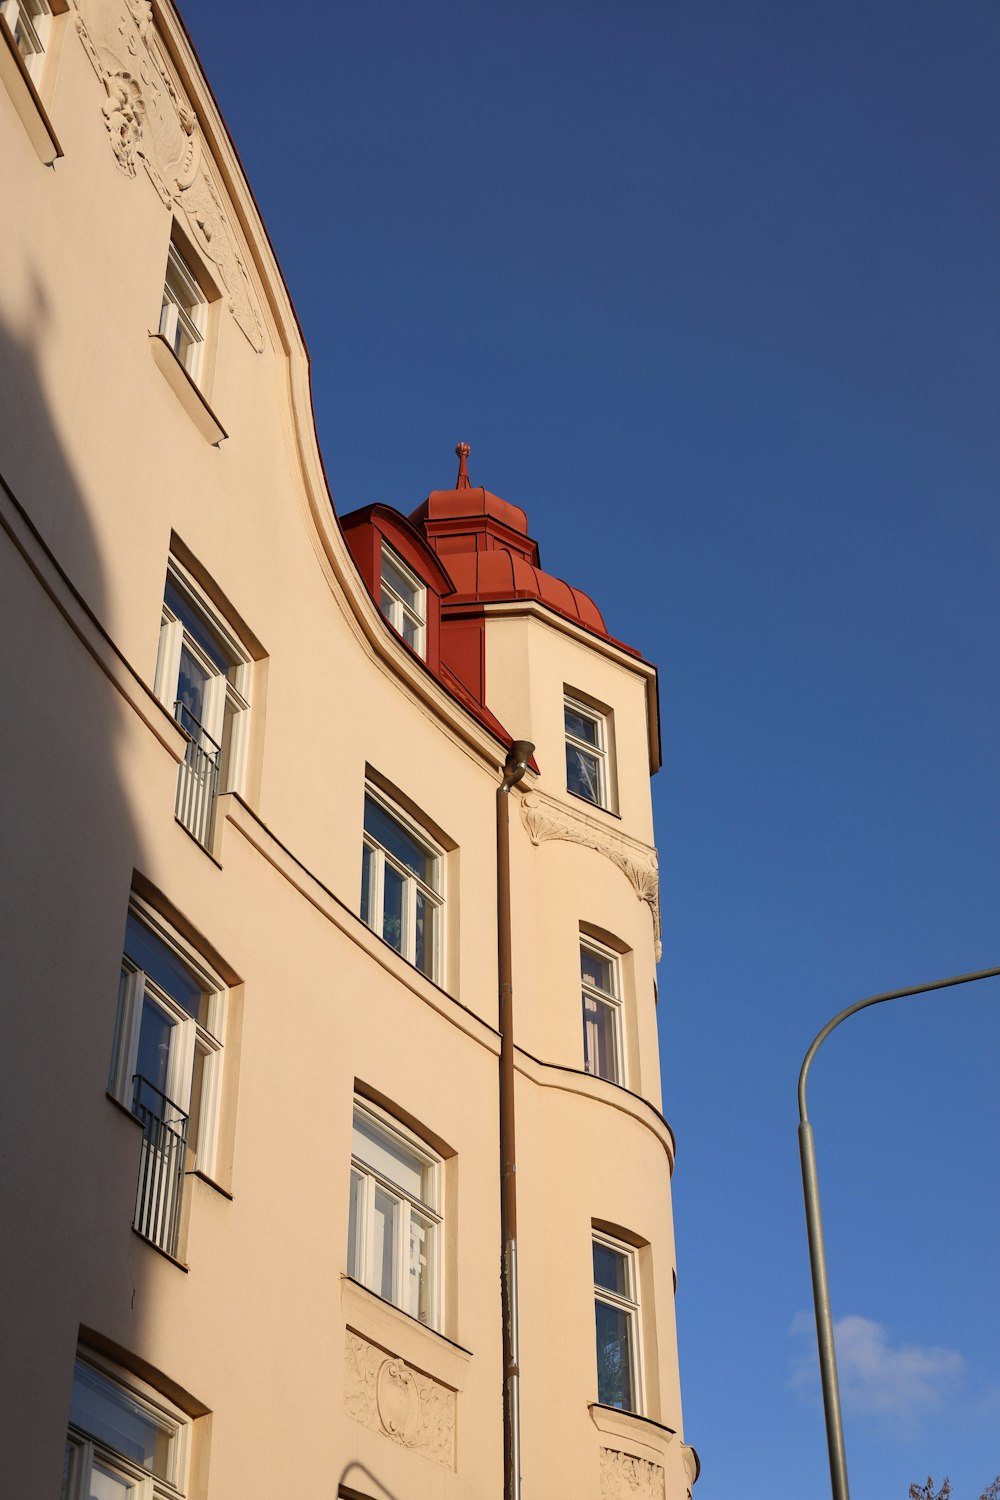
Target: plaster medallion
x=406, y=1406
x=398, y=1401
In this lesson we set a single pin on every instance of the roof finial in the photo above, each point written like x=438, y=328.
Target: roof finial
x=463, y=482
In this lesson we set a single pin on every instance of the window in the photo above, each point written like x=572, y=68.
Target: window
x=401, y=895
x=183, y=313
x=403, y=601
x=203, y=676
x=394, y=1221
x=124, y=1442
x=167, y=1067
x=29, y=22
x=586, y=752
x=602, y=1013
x=616, y=1313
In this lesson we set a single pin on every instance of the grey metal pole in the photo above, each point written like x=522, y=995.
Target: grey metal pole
x=824, y=1317
x=814, y=1227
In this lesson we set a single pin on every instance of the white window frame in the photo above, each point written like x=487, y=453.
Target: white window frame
x=397, y=611
x=189, y=1037
x=360, y=1256
x=184, y=313
x=597, y=753
x=629, y=1305
x=610, y=1000
x=227, y=697
x=435, y=898
x=84, y=1450
x=33, y=19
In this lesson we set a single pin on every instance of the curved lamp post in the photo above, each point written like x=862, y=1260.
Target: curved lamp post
x=814, y=1224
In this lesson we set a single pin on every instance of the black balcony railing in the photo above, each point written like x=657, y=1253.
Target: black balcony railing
x=197, y=778
x=161, y=1165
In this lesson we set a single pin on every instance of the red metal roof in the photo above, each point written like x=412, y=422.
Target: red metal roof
x=483, y=541
x=472, y=549
x=499, y=574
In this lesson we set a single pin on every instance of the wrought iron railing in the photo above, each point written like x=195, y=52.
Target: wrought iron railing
x=197, y=778
x=161, y=1165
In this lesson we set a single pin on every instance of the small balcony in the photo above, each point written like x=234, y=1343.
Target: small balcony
x=197, y=778
x=157, y=1214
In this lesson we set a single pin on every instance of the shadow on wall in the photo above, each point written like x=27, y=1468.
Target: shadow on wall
x=68, y=1157
x=358, y=1471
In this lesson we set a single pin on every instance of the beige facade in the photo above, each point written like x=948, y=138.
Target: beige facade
x=198, y=687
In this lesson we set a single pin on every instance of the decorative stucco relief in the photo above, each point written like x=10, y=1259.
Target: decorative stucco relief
x=624, y=1477
x=384, y=1394
x=149, y=122
x=544, y=818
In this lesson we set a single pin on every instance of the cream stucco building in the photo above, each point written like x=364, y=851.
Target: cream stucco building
x=257, y=878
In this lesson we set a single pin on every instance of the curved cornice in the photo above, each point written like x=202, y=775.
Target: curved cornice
x=692, y=1463
x=599, y=1091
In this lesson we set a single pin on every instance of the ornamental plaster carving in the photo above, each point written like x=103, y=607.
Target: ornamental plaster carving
x=544, y=818
x=149, y=121
x=123, y=110
x=624, y=1477
x=410, y=1408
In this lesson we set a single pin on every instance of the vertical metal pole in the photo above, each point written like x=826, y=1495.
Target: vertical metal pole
x=824, y=1317
x=508, y=1161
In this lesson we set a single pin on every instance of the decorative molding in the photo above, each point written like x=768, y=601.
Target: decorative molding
x=624, y=1477
x=385, y=1394
x=149, y=121
x=123, y=112
x=545, y=818
x=692, y=1466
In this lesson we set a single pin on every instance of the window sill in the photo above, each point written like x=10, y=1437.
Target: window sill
x=181, y=1265
x=397, y=1332
x=186, y=391
x=594, y=806
x=197, y=841
x=189, y=1172
x=210, y=1182
x=124, y=1109
x=31, y=111
x=402, y=956
x=630, y=1427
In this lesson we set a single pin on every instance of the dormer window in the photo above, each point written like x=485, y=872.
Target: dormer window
x=403, y=601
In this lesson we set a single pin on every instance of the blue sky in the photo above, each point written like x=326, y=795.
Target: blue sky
x=711, y=289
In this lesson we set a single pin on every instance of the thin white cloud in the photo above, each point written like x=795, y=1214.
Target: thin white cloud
x=895, y=1383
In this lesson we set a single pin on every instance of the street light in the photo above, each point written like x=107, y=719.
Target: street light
x=814, y=1225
